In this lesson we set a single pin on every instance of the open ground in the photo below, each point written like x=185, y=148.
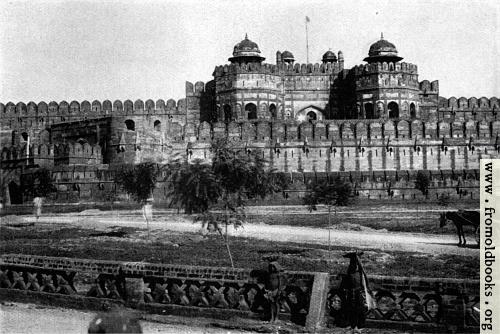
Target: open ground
x=396, y=240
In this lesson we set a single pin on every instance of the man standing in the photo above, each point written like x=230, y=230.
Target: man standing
x=147, y=213
x=37, y=203
x=358, y=299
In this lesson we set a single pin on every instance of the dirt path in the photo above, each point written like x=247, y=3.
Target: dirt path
x=387, y=241
x=31, y=318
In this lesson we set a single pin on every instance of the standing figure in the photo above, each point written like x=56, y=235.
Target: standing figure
x=147, y=213
x=274, y=288
x=357, y=295
x=37, y=204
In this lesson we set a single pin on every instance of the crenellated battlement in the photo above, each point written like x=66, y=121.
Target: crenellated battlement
x=378, y=67
x=469, y=104
x=429, y=87
x=341, y=131
x=81, y=110
x=73, y=153
x=197, y=89
x=280, y=69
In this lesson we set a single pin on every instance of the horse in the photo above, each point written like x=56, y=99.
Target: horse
x=461, y=218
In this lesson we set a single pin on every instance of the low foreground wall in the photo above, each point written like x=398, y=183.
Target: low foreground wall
x=311, y=299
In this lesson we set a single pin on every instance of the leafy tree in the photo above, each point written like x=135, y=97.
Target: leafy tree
x=422, y=183
x=194, y=186
x=219, y=190
x=336, y=193
x=43, y=184
x=139, y=182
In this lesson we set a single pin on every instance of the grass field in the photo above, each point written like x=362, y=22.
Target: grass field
x=131, y=244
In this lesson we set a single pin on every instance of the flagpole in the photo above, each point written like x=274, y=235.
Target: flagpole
x=307, y=41
x=28, y=150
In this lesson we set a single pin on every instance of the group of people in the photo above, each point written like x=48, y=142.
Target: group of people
x=354, y=294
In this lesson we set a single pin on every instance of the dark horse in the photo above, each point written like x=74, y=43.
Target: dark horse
x=461, y=218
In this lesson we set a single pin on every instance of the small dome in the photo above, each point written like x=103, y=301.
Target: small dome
x=246, y=51
x=382, y=50
x=287, y=56
x=329, y=57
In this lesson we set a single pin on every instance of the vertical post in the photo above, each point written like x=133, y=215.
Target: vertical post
x=317, y=305
x=307, y=40
x=134, y=288
x=329, y=227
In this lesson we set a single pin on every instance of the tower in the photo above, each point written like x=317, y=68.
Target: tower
x=386, y=87
x=247, y=89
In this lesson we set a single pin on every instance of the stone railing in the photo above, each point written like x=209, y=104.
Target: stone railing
x=420, y=303
x=309, y=299
x=188, y=290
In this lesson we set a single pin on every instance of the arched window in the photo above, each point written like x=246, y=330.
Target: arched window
x=157, y=125
x=311, y=116
x=228, y=113
x=130, y=124
x=251, y=110
x=369, y=111
x=272, y=110
x=413, y=112
x=393, y=110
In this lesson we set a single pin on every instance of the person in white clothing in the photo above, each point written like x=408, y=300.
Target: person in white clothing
x=37, y=203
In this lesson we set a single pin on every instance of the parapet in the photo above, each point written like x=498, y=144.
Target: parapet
x=54, y=112
x=195, y=90
x=281, y=68
x=364, y=69
x=429, y=87
x=472, y=103
x=338, y=131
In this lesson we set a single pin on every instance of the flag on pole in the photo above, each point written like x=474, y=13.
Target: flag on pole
x=307, y=19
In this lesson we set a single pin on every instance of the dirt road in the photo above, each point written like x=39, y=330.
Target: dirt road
x=388, y=241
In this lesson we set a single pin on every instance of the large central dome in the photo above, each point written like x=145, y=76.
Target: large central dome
x=382, y=50
x=246, y=51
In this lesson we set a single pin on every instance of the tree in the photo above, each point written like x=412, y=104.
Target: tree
x=422, y=183
x=218, y=191
x=43, y=184
x=336, y=193
x=139, y=182
x=194, y=186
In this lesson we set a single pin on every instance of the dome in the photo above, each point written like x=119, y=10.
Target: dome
x=287, y=56
x=246, y=51
x=329, y=57
x=382, y=50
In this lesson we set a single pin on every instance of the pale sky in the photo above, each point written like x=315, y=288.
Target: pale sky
x=86, y=50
